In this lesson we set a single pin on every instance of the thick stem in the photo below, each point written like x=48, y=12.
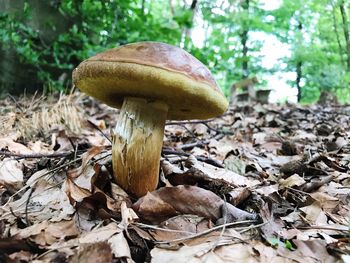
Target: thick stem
x=137, y=145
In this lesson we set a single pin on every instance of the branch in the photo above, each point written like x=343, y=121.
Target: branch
x=199, y=158
x=35, y=155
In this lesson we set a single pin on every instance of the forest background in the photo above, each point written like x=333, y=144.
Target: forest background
x=42, y=41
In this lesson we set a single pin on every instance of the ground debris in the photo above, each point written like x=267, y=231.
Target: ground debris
x=259, y=182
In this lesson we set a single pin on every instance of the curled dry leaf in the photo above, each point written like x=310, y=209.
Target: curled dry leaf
x=100, y=234
x=98, y=252
x=206, y=252
x=97, y=198
x=47, y=201
x=272, y=225
x=291, y=181
x=239, y=195
x=120, y=247
x=293, y=167
x=11, y=174
x=179, y=227
x=308, y=252
x=166, y=202
x=197, y=172
x=12, y=146
x=128, y=216
x=314, y=214
x=86, y=157
x=47, y=233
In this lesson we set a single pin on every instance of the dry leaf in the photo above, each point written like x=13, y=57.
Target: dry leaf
x=100, y=234
x=98, y=252
x=11, y=174
x=166, y=202
x=205, y=252
x=120, y=247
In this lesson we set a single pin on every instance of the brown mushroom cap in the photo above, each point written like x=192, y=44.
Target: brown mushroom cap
x=152, y=70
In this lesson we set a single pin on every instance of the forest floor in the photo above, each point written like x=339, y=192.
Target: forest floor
x=287, y=167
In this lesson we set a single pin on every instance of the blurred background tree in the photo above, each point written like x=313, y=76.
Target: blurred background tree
x=42, y=41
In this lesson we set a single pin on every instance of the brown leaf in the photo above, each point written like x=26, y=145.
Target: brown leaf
x=291, y=181
x=98, y=252
x=76, y=193
x=308, y=251
x=170, y=201
x=205, y=252
x=272, y=225
x=45, y=202
x=100, y=234
x=180, y=226
x=47, y=233
x=11, y=174
x=86, y=157
x=314, y=214
x=120, y=247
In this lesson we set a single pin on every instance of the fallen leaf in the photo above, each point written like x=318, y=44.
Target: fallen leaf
x=120, y=247
x=308, y=251
x=205, y=252
x=11, y=174
x=98, y=252
x=166, y=202
x=100, y=234
x=291, y=181
x=314, y=214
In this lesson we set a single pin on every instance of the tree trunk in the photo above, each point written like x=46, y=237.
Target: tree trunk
x=244, y=40
x=298, y=70
x=186, y=32
x=337, y=34
x=346, y=31
x=298, y=79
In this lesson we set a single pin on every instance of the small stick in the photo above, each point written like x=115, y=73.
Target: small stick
x=194, y=144
x=97, y=128
x=209, y=231
x=199, y=158
x=35, y=155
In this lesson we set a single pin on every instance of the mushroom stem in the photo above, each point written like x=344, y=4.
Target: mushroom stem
x=137, y=144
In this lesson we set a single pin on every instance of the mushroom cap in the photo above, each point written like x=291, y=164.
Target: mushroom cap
x=155, y=71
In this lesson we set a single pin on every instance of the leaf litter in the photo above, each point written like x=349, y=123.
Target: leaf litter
x=260, y=182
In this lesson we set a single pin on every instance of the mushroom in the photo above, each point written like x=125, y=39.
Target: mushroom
x=150, y=82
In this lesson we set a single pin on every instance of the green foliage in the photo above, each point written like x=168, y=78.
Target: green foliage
x=90, y=27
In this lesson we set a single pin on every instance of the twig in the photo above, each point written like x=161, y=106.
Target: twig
x=189, y=122
x=97, y=128
x=194, y=144
x=346, y=228
x=16, y=102
x=161, y=229
x=216, y=243
x=26, y=208
x=208, y=231
x=35, y=155
x=199, y=158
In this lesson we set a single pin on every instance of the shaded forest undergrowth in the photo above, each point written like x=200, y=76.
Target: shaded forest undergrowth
x=285, y=167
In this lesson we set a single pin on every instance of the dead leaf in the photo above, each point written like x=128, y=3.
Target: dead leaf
x=166, y=202
x=120, y=247
x=98, y=252
x=291, y=181
x=314, y=214
x=308, y=251
x=180, y=227
x=47, y=233
x=205, y=252
x=100, y=234
x=11, y=174
x=86, y=157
